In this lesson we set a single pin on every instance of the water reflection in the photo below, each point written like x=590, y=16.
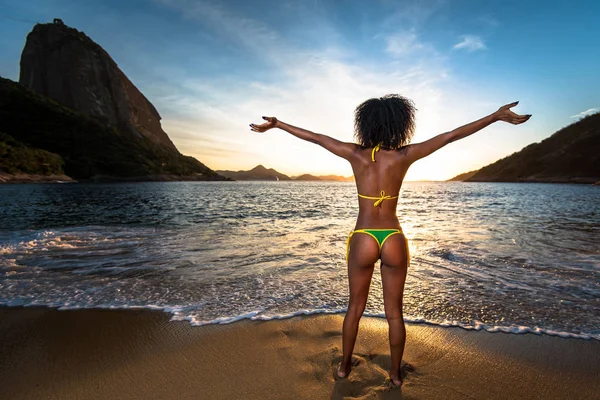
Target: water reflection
x=499, y=254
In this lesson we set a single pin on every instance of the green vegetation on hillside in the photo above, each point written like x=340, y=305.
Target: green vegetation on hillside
x=572, y=154
x=87, y=147
x=16, y=158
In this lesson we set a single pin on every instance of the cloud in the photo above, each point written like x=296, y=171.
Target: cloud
x=314, y=87
x=412, y=13
x=489, y=21
x=251, y=34
x=470, y=43
x=586, y=113
x=404, y=43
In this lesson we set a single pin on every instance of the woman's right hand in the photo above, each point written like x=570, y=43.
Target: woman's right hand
x=505, y=114
x=271, y=123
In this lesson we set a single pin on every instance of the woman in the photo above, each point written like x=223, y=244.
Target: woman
x=383, y=129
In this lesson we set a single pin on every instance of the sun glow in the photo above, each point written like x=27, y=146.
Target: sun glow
x=313, y=70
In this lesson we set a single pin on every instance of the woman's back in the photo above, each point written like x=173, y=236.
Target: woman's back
x=385, y=174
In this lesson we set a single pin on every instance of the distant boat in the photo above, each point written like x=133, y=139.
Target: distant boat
x=277, y=178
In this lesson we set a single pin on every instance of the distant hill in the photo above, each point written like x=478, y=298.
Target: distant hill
x=258, y=173
x=307, y=177
x=571, y=155
x=463, y=177
x=336, y=178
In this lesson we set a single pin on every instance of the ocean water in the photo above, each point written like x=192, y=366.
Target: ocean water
x=502, y=257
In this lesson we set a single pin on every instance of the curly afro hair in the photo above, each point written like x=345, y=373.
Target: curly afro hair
x=388, y=120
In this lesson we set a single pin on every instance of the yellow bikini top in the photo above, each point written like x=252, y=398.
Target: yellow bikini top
x=382, y=195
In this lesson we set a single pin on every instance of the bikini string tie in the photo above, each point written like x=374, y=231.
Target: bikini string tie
x=375, y=150
x=378, y=200
x=382, y=197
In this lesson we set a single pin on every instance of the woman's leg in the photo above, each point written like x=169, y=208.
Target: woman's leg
x=364, y=252
x=394, y=265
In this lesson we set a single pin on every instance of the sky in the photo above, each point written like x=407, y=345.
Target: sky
x=213, y=67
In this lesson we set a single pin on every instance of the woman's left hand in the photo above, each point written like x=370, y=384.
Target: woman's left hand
x=505, y=114
x=271, y=123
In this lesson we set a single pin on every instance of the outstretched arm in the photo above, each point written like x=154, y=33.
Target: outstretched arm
x=341, y=149
x=419, y=150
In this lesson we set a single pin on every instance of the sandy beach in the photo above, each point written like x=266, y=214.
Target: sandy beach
x=102, y=354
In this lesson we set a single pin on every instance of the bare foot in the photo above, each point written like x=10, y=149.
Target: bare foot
x=396, y=377
x=343, y=372
x=395, y=380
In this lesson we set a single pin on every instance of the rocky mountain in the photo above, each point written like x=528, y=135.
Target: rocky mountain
x=570, y=155
x=258, y=173
x=90, y=150
x=64, y=64
x=85, y=111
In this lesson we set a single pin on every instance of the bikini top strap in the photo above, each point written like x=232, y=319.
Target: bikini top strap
x=380, y=199
x=375, y=149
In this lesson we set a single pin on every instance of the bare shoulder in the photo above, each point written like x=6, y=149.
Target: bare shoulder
x=412, y=152
x=356, y=148
x=403, y=152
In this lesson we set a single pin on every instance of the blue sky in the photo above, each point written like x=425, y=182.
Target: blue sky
x=213, y=67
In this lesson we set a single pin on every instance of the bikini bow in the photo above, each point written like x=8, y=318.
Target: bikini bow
x=382, y=197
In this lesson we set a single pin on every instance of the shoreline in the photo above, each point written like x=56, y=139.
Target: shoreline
x=22, y=178
x=252, y=317
x=96, y=353
x=32, y=178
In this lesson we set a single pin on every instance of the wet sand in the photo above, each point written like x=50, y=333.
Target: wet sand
x=110, y=354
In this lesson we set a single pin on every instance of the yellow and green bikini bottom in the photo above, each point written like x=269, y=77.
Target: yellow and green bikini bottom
x=380, y=235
